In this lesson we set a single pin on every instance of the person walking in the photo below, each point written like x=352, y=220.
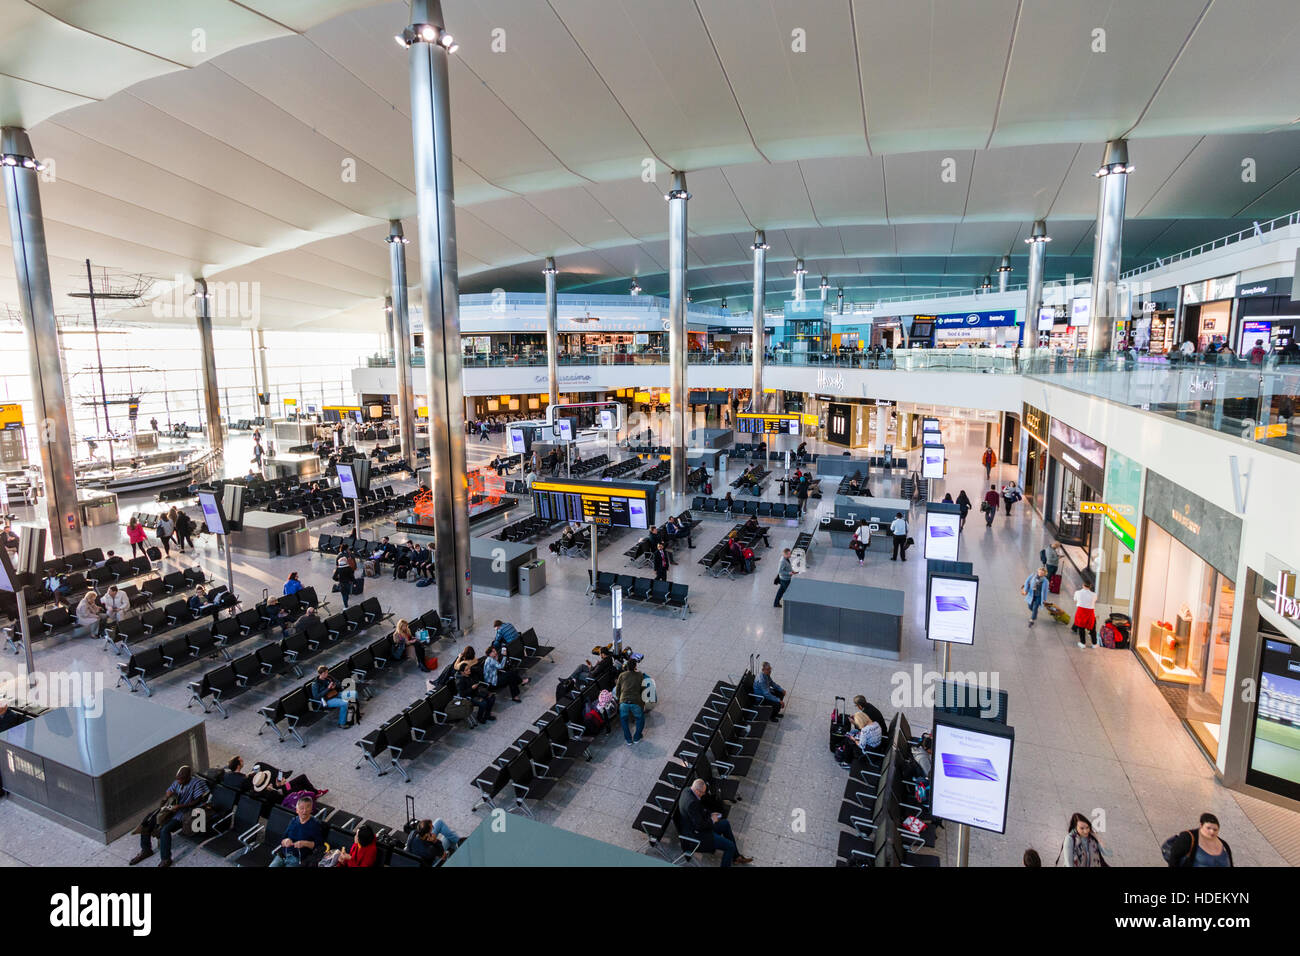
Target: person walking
x=861, y=541
x=345, y=570
x=164, y=530
x=1200, y=847
x=990, y=505
x=1035, y=591
x=898, y=529
x=1081, y=846
x=628, y=691
x=963, y=502
x=184, y=531
x=784, y=573
x=1010, y=495
x=988, y=460
x=135, y=535
x=1085, y=615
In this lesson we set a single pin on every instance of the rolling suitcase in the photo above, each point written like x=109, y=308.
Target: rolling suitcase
x=1054, y=585
x=839, y=723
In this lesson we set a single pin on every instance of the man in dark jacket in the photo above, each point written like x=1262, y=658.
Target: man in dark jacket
x=713, y=832
x=661, y=562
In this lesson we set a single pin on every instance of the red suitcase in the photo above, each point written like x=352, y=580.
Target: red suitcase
x=1054, y=585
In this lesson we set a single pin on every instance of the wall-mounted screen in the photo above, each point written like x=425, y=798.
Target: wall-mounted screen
x=758, y=424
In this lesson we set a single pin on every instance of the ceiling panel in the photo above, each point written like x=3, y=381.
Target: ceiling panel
x=578, y=213
x=773, y=196
x=1068, y=84
x=658, y=61
x=526, y=226
x=918, y=188
x=1211, y=181
x=798, y=103
x=1019, y=182
x=846, y=191
x=1240, y=68
x=924, y=85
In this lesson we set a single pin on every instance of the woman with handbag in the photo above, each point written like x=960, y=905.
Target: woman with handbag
x=1081, y=846
x=1010, y=495
x=861, y=541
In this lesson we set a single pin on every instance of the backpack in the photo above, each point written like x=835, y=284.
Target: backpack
x=564, y=688
x=423, y=582
x=592, y=722
x=747, y=554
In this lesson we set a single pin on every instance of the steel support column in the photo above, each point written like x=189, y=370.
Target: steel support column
x=677, y=198
x=1038, y=240
x=399, y=326
x=1109, y=234
x=263, y=408
x=760, y=248
x=45, y=364
x=1004, y=273
x=208, y=362
x=430, y=44
x=552, y=333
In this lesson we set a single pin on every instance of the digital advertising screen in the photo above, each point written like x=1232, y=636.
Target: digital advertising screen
x=6, y=572
x=930, y=426
x=942, y=535
x=212, y=515
x=347, y=484
x=932, y=461
x=608, y=420
x=1275, y=745
x=950, y=607
x=518, y=444
x=972, y=771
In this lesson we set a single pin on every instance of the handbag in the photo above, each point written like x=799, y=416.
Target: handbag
x=777, y=579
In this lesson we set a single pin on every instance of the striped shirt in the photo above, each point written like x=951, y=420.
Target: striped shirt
x=192, y=792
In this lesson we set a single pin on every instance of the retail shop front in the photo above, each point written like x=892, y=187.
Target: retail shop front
x=1152, y=327
x=1265, y=313
x=1207, y=311
x=977, y=329
x=1264, y=741
x=1182, y=629
x=1076, y=474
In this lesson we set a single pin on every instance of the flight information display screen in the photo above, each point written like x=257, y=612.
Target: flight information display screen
x=609, y=506
x=753, y=424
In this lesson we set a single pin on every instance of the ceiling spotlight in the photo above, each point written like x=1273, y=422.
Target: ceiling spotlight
x=799, y=267
x=1115, y=159
x=1038, y=232
x=401, y=40
x=453, y=48
x=446, y=40
x=428, y=32
x=635, y=288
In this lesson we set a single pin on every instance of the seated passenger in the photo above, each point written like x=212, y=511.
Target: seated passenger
x=292, y=585
x=186, y=792
x=432, y=841
x=364, y=851
x=497, y=673
x=302, y=837
x=505, y=633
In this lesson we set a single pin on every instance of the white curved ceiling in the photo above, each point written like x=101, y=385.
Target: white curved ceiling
x=229, y=162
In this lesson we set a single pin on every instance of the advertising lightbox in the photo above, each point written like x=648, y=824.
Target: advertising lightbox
x=347, y=484
x=942, y=534
x=212, y=515
x=932, y=461
x=972, y=771
x=950, y=607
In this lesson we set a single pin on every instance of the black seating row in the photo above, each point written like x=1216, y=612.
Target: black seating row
x=719, y=560
x=192, y=642
x=587, y=465
x=621, y=468
x=525, y=529
x=719, y=746
x=534, y=764
x=878, y=798
x=748, y=506
x=645, y=591
x=112, y=571
x=59, y=619
x=659, y=472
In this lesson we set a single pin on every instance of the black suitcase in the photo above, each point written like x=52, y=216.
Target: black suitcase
x=839, y=723
x=154, y=554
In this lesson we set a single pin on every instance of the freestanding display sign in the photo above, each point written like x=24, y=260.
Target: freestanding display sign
x=932, y=461
x=214, y=516
x=972, y=771
x=950, y=608
x=942, y=531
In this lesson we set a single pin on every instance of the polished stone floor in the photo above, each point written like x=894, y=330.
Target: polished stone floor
x=1092, y=731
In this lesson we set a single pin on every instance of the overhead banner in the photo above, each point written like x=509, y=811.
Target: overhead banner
x=976, y=320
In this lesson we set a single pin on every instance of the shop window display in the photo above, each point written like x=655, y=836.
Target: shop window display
x=1184, y=625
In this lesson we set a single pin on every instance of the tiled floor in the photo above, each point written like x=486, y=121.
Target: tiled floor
x=1093, y=732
